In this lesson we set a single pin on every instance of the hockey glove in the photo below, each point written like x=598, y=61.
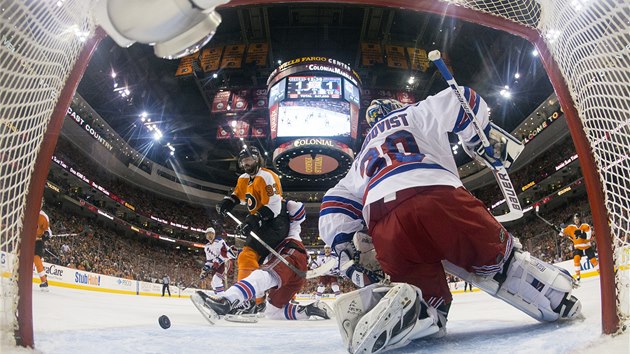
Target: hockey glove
x=206, y=271
x=46, y=236
x=226, y=205
x=360, y=276
x=252, y=223
x=344, y=249
x=580, y=234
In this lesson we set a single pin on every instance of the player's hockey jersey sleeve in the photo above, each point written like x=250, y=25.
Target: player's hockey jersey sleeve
x=452, y=117
x=241, y=188
x=297, y=215
x=340, y=214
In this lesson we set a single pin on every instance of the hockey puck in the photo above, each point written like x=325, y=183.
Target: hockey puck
x=164, y=322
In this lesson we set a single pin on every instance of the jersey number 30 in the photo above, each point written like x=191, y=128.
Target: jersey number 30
x=399, y=147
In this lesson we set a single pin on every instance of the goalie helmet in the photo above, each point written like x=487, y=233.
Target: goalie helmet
x=250, y=167
x=379, y=109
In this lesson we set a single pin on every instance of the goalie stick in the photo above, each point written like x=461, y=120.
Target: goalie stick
x=257, y=238
x=500, y=173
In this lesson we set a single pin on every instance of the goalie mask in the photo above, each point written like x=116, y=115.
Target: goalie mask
x=249, y=160
x=379, y=109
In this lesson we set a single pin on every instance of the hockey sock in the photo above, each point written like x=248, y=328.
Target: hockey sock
x=247, y=262
x=255, y=284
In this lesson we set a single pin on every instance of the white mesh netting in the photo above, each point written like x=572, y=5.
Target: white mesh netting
x=40, y=42
x=590, y=42
x=588, y=39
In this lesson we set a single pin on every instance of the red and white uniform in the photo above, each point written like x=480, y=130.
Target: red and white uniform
x=405, y=187
x=274, y=276
x=330, y=278
x=218, y=254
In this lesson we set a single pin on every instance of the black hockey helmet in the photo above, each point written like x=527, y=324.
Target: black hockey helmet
x=250, y=151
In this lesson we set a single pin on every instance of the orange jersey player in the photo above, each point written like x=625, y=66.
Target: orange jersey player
x=580, y=234
x=260, y=189
x=43, y=234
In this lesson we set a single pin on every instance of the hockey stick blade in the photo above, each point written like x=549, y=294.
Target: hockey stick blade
x=274, y=252
x=500, y=173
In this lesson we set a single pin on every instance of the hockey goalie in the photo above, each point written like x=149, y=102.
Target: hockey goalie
x=404, y=186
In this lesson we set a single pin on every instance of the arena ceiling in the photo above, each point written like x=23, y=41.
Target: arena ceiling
x=483, y=58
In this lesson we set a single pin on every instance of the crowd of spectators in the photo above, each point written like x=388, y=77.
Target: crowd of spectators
x=100, y=248
x=103, y=249
x=540, y=168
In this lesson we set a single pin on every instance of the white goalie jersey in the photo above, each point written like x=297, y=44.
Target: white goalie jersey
x=410, y=140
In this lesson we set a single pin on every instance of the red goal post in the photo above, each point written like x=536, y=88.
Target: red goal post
x=44, y=49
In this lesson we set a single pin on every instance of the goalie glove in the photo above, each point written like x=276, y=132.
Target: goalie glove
x=46, y=236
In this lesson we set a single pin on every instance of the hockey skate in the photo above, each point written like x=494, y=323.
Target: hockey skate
x=199, y=300
x=44, y=286
x=248, y=312
x=317, y=309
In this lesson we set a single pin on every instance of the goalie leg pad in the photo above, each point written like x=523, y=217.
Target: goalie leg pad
x=541, y=290
x=394, y=321
x=350, y=307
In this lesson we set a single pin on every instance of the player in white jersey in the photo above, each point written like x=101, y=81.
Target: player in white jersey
x=329, y=279
x=404, y=185
x=280, y=281
x=218, y=257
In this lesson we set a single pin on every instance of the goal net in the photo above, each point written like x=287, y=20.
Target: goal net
x=583, y=44
x=40, y=42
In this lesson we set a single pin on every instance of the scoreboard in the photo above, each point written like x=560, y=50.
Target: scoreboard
x=313, y=117
x=313, y=87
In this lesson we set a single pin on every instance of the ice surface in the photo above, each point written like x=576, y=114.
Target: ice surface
x=75, y=321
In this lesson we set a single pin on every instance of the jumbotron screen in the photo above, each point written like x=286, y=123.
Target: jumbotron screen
x=314, y=118
x=314, y=87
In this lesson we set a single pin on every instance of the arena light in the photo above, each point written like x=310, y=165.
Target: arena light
x=517, y=76
x=535, y=52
